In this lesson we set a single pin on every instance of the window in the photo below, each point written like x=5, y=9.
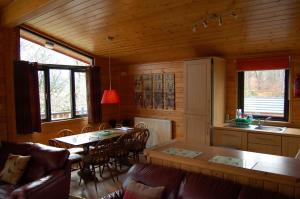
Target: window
x=264, y=93
x=62, y=82
x=80, y=93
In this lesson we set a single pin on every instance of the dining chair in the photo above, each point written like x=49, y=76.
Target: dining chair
x=141, y=125
x=139, y=140
x=120, y=150
x=88, y=129
x=74, y=158
x=68, y=132
x=104, y=126
x=100, y=157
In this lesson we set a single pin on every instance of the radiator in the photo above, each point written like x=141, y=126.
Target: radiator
x=160, y=130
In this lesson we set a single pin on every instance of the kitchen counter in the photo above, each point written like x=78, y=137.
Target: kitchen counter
x=271, y=172
x=285, y=143
x=287, y=132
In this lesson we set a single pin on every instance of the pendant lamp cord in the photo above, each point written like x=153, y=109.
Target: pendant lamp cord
x=109, y=72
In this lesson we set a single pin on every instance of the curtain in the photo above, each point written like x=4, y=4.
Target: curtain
x=94, y=94
x=266, y=63
x=27, y=101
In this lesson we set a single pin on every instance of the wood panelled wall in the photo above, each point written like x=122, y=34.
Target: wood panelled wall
x=8, y=54
x=231, y=89
x=128, y=107
x=3, y=124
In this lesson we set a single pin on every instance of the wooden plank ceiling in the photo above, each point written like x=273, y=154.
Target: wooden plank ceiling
x=4, y=3
x=158, y=30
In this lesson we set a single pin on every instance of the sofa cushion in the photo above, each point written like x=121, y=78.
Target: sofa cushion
x=14, y=168
x=137, y=190
x=198, y=186
x=13, y=148
x=255, y=193
x=155, y=176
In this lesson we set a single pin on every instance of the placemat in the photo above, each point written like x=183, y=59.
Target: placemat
x=182, y=152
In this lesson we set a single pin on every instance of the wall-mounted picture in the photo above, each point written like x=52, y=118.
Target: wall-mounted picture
x=169, y=91
x=138, y=90
x=158, y=96
x=147, y=86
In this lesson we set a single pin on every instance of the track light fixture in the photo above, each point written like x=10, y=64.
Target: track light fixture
x=204, y=24
x=214, y=18
x=220, y=21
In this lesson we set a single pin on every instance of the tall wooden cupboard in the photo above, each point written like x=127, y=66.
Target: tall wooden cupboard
x=204, y=83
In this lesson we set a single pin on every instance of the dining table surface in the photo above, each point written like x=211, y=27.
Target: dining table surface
x=90, y=138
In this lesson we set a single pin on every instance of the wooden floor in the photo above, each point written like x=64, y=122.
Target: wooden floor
x=105, y=185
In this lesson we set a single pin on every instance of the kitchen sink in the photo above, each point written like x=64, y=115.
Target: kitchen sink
x=274, y=129
x=271, y=129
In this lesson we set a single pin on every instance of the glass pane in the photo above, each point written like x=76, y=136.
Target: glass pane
x=33, y=52
x=41, y=75
x=264, y=93
x=80, y=93
x=60, y=94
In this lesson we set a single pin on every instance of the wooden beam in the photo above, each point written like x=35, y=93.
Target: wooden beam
x=20, y=11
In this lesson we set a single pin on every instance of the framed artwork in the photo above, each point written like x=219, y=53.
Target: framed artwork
x=138, y=90
x=158, y=96
x=148, y=91
x=169, y=91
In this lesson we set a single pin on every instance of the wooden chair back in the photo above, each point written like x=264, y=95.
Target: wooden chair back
x=140, y=138
x=61, y=133
x=104, y=126
x=65, y=132
x=141, y=125
x=88, y=129
x=101, y=152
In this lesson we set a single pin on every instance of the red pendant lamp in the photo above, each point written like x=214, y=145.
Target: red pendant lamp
x=110, y=96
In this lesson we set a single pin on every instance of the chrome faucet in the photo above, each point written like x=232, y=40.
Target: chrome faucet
x=260, y=122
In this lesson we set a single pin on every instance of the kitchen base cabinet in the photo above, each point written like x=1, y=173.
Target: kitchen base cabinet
x=290, y=146
x=230, y=139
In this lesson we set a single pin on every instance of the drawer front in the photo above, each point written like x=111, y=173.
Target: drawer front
x=261, y=148
x=231, y=139
x=264, y=139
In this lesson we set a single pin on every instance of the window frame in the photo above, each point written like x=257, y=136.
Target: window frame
x=241, y=97
x=46, y=68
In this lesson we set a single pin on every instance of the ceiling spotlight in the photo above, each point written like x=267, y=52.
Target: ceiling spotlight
x=195, y=28
x=49, y=45
x=220, y=21
x=234, y=14
x=204, y=24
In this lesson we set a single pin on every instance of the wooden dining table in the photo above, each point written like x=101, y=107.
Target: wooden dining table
x=86, y=140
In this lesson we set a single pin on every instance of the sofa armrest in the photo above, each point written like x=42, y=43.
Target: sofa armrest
x=115, y=195
x=51, y=186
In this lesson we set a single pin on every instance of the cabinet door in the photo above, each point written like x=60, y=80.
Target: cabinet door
x=290, y=146
x=198, y=87
x=231, y=139
x=264, y=143
x=263, y=148
x=197, y=130
x=197, y=101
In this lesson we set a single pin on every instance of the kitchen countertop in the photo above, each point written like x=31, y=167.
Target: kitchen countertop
x=288, y=132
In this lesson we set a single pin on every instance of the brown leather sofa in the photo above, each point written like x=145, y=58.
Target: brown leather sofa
x=184, y=185
x=47, y=175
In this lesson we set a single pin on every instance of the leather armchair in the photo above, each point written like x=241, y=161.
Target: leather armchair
x=48, y=171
